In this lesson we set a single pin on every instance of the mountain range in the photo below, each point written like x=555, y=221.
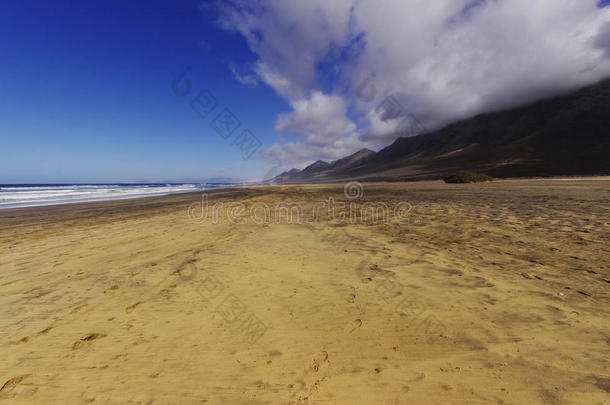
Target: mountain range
x=565, y=135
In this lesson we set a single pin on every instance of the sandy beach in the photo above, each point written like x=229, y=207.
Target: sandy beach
x=491, y=293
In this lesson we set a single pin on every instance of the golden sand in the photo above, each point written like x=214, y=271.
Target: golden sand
x=478, y=294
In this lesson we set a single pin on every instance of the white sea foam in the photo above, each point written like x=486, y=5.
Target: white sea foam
x=37, y=195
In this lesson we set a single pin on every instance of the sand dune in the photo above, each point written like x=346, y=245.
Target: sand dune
x=489, y=293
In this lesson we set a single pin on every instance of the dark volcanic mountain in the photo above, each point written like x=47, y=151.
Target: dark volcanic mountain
x=323, y=170
x=315, y=167
x=567, y=135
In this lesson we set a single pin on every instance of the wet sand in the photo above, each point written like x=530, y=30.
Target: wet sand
x=474, y=294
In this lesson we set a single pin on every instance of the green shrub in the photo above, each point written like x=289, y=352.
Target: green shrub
x=467, y=177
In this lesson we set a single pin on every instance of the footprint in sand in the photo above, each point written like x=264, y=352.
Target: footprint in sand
x=132, y=307
x=13, y=382
x=318, y=360
x=86, y=340
x=351, y=298
x=355, y=324
x=78, y=308
x=42, y=332
x=114, y=287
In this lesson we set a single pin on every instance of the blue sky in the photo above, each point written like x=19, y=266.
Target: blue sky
x=86, y=87
x=86, y=93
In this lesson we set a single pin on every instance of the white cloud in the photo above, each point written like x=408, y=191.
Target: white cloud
x=442, y=61
x=320, y=119
x=244, y=78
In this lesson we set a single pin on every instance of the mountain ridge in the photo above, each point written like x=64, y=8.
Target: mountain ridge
x=563, y=135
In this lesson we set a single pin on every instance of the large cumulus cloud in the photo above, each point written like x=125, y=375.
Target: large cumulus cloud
x=336, y=62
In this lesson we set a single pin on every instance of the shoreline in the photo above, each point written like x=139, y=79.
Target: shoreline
x=77, y=204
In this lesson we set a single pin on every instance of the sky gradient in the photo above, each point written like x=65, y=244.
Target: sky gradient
x=86, y=93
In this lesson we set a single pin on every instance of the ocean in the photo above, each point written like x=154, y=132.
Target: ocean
x=31, y=195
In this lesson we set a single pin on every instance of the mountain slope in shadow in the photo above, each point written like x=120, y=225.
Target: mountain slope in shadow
x=566, y=135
